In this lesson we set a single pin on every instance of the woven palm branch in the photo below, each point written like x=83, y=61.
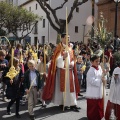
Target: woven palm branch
x=102, y=36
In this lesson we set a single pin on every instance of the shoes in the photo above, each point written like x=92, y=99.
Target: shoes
x=79, y=94
x=75, y=108
x=8, y=113
x=32, y=117
x=22, y=103
x=44, y=105
x=65, y=107
x=61, y=106
x=40, y=101
x=5, y=99
x=18, y=116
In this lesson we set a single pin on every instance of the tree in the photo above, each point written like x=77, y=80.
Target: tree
x=14, y=19
x=58, y=25
x=2, y=32
x=3, y=11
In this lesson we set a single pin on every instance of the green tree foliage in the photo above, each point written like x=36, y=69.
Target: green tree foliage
x=102, y=35
x=14, y=19
x=2, y=32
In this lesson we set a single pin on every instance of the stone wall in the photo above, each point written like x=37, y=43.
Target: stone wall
x=108, y=9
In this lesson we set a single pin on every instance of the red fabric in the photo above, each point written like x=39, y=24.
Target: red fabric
x=77, y=87
x=110, y=106
x=110, y=58
x=95, y=67
x=50, y=82
x=22, y=67
x=95, y=109
x=62, y=75
x=62, y=80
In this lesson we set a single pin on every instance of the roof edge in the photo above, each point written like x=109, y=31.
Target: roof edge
x=104, y=2
x=25, y=3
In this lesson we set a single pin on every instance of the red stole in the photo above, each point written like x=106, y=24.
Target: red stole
x=62, y=75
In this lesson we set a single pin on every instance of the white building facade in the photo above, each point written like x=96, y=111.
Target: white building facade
x=44, y=33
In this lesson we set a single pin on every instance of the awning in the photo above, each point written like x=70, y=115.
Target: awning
x=10, y=38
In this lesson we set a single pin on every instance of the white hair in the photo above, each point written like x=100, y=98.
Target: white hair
x=79, y=56
x=31, y=62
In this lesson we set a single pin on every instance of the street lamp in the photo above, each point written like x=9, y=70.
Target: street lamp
x=115, y=30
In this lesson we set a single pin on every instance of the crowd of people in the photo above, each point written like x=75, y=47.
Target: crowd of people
x=58, y=73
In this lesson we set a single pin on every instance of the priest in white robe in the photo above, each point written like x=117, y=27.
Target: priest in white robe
x=60, y=91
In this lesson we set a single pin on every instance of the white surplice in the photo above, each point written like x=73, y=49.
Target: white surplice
x=94, y=83
x=114, y=95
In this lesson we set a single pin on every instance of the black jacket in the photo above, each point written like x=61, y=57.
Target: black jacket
x=27, y=80
x=16, y=89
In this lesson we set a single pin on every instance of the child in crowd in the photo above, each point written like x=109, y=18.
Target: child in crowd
x=15, y=88
x=41, y=69
x=95, y=81
x=106, y=68
x=32, y=86
x=80, y=69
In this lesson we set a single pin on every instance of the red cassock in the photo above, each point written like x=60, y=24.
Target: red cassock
x=116, y=108
x=95, y=109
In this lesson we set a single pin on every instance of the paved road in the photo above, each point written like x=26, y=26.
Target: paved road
x=50, y=113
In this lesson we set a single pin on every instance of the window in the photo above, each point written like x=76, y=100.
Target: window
x=35, y=40
x=12, y=1
x=43, y=23
x=36, y=28
x=76, y=29
x=36, y=6
x=43, y=40
x=77, y=9
x=29, y=8
x=9, y=1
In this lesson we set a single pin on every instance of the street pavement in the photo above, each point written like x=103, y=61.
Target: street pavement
x=51, y=112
